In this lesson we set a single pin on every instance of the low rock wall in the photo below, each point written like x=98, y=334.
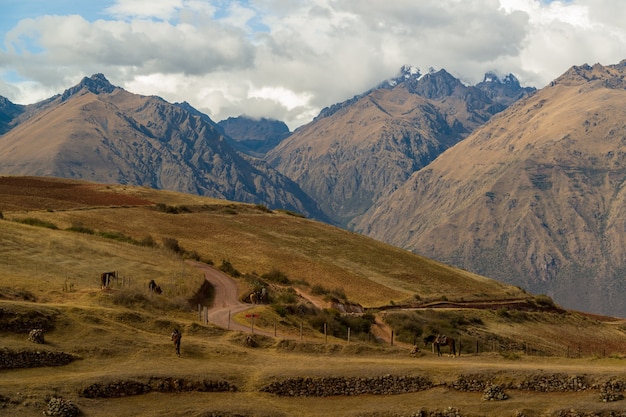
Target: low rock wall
x=10, y=359
x=165, y=385
x=328, y=386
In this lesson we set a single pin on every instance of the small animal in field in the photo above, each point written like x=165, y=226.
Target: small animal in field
x=153, y=287
x=105, y=279
x=176, y=336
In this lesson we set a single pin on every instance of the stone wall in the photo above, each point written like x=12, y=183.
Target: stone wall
x=328, y=386
x=10, y=359
x=167, y=385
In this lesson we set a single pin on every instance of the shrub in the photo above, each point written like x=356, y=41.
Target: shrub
x=229, y=269
x=148, y=241
x=36, y=222
x=192, y=255
x=79, y=228
x=276, y=276
x=318, y=290
x=262, y=208
x=280, y=309
x=544, y=300
x=117, y=236
x=172, y=244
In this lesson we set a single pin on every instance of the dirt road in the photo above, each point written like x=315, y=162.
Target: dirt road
x=226, y=302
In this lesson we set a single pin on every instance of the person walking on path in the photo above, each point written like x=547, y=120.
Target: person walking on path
x=176, y=336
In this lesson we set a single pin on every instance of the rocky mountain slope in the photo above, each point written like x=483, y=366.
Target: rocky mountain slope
x=357, y=152
x=98, y=132
x=254, y=137
x=535, y=197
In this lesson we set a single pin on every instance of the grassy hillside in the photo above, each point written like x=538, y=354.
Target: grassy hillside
x=252, y=238
x=54, y=245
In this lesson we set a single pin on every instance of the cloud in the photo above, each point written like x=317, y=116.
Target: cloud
x=290, y=59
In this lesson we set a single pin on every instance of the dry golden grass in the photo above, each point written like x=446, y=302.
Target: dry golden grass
x=123, y=333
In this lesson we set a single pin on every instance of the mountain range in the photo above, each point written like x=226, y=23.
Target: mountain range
x=102, y=133
x=512, y=183
x=534, y=197
x=357, y=152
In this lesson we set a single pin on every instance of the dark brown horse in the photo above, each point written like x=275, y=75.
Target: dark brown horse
x=105, y=279
x=439, y=340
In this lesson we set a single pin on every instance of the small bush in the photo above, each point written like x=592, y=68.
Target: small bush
x=148, y=241
x=79, y=228
x=280, y=309
x=319, y=290
x=229, y=269
x=172, y=244
x=171, y=209
x=293, y=213
x=36, y=222
x=120, y=237
x=192, y=255
x=544, y=300
x=262, y=208
x=276, y=276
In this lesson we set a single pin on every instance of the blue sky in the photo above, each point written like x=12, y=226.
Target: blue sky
x=288, y=59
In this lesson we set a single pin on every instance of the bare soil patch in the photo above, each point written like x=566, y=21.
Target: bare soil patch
x=37, y=193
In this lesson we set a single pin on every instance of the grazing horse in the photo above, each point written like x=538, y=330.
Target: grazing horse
x=153, y=287
x=105, y=279
x=254, y=298
x=440, y=340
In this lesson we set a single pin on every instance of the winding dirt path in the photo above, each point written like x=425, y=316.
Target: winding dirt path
x=226, y=301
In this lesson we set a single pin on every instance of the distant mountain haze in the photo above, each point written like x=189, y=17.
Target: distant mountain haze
x=98, y=132
x=535, y=197
x=254, y=137
x=358, y=152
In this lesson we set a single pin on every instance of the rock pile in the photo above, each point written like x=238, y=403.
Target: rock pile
x=36, y=336
x=62, y=408
x=330, y=386
x=612, y=391
x=10, y=359
x=494, y=393
x=472, y=383
x=129, y=387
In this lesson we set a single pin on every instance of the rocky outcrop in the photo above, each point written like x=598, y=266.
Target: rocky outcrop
x=253, y=137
